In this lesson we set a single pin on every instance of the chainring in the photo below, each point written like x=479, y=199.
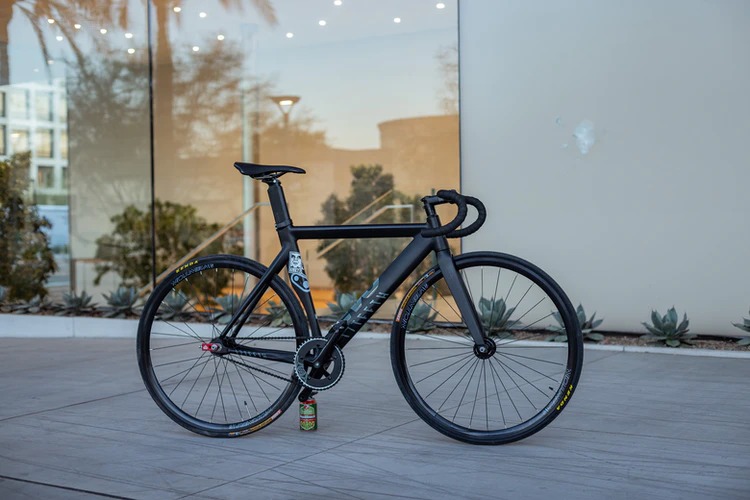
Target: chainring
x=333, y=367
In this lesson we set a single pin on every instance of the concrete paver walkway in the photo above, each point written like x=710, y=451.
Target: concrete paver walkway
x=76, y=422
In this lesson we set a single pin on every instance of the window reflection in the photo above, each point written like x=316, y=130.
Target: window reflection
x=43, y=143
x=18, y=104
x=43, y=104
x=19, y=140
x=356, y=96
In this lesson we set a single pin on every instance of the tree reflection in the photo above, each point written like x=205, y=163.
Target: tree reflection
x=38, y=12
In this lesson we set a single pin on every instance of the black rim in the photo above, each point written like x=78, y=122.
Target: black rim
x=514, y=384
x=221, y=391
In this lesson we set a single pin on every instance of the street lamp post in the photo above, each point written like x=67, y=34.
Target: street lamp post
x=285, y=104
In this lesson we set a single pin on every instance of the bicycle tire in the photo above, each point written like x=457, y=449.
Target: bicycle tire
x=522, y=386
x=185, y=311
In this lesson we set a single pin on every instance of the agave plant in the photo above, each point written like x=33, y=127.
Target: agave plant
x=34, y=306
x=172, y=308
x=75, y=305
x=494, y=315
x=587, y=325
x=121, y=303
x=666, y=329
x=745, y=325
x=279, y=314
x=4, y=295
x=227, y=305
x=344, y=302
x=422, y=318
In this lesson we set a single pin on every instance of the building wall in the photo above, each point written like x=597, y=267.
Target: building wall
x=655, y=214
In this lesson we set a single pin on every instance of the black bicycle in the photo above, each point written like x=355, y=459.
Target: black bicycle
x=224, y=346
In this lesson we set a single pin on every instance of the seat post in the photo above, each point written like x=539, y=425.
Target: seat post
x=278, y=203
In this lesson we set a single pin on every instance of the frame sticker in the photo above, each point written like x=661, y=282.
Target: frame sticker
x=297, y=272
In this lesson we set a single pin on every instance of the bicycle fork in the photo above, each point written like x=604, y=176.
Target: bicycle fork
x=463, y=299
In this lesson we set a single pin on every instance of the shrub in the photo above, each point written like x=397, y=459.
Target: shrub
x=127, y=250
x=27, y=260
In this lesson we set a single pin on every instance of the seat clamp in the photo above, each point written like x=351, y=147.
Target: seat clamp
x=282, y=225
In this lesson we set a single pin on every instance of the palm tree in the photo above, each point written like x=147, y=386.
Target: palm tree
x=37, y=12
x=164, y=102
x=105, y=12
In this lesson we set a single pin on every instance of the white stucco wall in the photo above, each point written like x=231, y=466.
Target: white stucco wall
x=658, y=212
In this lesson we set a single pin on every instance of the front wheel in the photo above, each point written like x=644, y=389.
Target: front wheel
x=213, y=385
x=508, y=391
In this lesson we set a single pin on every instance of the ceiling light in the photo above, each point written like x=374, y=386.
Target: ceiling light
x=77, y=26
x=337, y=2
x=290, y=35
x=50, y=20
x=128, y=35
x=202, y=14
x=220, y=37
x=177, y=9
x=396, y=20
x=440, y=5
x=50, y=61
x=103, y=31
x=131, y=51
x=322, y=22
x=59, y=38
x=196, y=48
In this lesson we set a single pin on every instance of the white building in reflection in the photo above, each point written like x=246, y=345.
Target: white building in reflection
x=33, y=117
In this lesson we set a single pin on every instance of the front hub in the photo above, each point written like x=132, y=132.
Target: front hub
x=485, y=351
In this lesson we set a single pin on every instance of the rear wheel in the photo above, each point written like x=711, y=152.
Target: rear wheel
x=213, y=386
x=514, y=387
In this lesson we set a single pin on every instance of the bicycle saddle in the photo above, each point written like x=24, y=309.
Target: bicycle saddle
x=257, y=171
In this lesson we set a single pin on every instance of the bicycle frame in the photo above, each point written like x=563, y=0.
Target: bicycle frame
x=368, y=304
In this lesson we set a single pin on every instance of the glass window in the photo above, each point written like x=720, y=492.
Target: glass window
x=64, y=144
x=45, y=177
x=43, y=103
x=62, y=108
x=3, y=152
x=19, y=140
x=43, y=143
x=2, y=104
x=19, y=104
x=65, y=177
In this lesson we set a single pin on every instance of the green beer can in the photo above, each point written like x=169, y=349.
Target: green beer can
x=308, y=415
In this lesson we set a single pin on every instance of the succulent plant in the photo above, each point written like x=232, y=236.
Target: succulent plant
x=279, y=314
x=422, y=318
x=344, y=302
x=494, y=315
x=3, y=296
x=745, y=325
x=587, y=325
x=34, y=306
x=172, y=308
x=666, y=329
x=121, y=303
x=227, y=305
x=75, y=305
